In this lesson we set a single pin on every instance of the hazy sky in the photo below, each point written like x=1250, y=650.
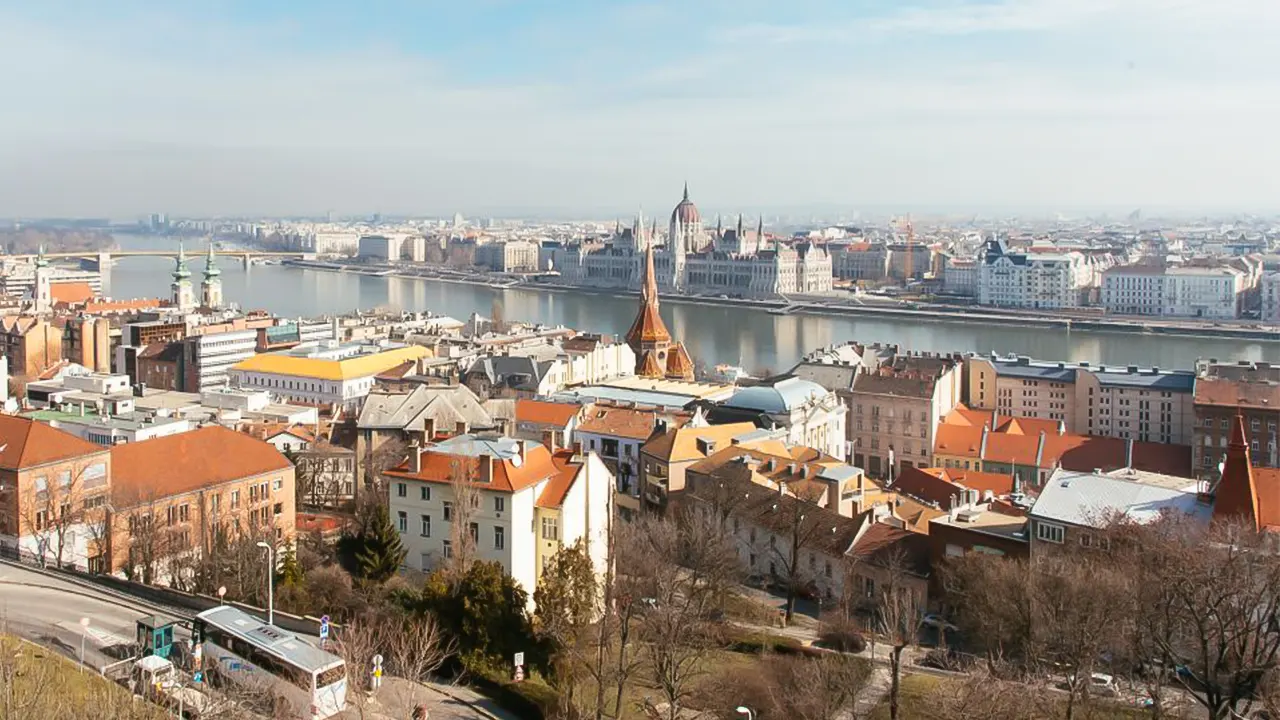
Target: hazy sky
x=425, y=106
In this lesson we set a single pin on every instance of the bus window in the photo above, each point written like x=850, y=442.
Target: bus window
x=328, y=677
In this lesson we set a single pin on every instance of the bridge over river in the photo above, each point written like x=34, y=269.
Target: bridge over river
x=104, y=260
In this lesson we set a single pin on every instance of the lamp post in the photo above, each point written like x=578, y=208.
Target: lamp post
x=222, y=593
x=744, y=710
x=84, y=630
x=271, y=581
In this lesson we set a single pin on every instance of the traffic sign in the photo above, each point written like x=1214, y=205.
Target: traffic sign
x=519, y=659
x=324, y=627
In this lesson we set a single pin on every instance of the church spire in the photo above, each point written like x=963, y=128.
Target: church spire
x=719, y=227
x=686, y=191
x=211, y=269
x=180, y=271
x=739, y=226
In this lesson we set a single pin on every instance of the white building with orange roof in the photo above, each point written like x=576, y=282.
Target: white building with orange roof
x=529, y=503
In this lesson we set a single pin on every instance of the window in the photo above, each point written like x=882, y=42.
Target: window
x=401, y=490
x=448, y=549
x=499, y=503
x=426, y=526
x=184, y=513
x=426, y=561
x=277, y=484
x=499, y=537
x=278, y=508
x=448, y=511
x=550, y=528
x=402, y=521
x=475, y=532
x=425, y=493
x=1049, y=532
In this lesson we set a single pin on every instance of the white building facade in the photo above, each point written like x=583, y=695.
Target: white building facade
x=1038, y=280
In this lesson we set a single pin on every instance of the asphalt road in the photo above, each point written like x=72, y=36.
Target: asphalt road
x=47, y=611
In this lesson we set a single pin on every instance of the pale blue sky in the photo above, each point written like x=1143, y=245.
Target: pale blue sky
x=124, y=107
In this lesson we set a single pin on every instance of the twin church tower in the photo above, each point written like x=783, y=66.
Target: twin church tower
x=183, y=294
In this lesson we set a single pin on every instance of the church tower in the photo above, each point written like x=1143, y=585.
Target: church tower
x=211, y=286
x=657, y=355
x=43, y=290
x=182, y=295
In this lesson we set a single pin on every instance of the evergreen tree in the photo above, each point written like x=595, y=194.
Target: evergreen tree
x=290, y=570
x=484, y=611
x=376, y=549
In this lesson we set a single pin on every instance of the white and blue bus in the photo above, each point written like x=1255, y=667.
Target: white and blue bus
x=241, y=649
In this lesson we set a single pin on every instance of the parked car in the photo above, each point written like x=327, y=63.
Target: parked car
x=1103, y=685
x=935, y=620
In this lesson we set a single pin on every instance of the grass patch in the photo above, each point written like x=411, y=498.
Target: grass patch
x=40, y=683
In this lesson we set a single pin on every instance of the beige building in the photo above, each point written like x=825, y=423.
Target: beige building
x=665, y=458
x=1144, y=404
x=895, y=411
x=183, y=493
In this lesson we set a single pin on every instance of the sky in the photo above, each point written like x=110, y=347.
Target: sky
x=301, y=107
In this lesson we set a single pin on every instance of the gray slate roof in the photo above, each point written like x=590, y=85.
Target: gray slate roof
x=1082, y=498
x=445, y=405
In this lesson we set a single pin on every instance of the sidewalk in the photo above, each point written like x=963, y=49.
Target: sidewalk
x=396, y=699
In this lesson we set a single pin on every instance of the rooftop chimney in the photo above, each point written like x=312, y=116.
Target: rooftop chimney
x=415, y=457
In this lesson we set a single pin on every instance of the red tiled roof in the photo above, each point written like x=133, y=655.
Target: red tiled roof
x=176, y=464
x=619, y=422
x=553, y=494
x=306, y=522
x=441, y=467
x=1246, y=492
x=882, y=543
x=27, y=443
x=1229, y=392
x=93, y=307
x=542, y=412
x=70, y=292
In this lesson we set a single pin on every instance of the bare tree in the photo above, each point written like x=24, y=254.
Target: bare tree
x=981, y=695
x=463, y=531
x=62, y=504
x=900, y=610
x=821, y=688
x=801, y=524
x=416, y=649
x=992, y=597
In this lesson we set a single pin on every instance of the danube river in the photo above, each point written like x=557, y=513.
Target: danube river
x=748, y=337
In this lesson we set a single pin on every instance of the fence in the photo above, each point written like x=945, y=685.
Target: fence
x=159, y=595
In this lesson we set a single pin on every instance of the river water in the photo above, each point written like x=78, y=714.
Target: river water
x=748, y=337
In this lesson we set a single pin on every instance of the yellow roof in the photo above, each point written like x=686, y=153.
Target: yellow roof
x=681, y=444
x=320, y=369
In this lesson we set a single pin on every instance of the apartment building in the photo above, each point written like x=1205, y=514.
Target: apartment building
x=616, y=434
x=1225, y=391
x=1039, y=280
x=207, y=359
x=54, y=487
x=860, y=261
x=1270, y=297
x=895, y=411
x=511, y=256
x=331, y=375
x=176, y=494
x=800, y=472
x=1181, y=291
x=31, y=344
x=528, y=503
x=1146, y=404
x=666, y=458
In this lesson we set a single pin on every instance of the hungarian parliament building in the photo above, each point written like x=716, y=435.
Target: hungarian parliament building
x=727, y=261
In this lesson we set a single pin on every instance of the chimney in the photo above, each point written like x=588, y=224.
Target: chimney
x=460, y=428
x=415, y=457
x=486, y=468
x=1128, y=454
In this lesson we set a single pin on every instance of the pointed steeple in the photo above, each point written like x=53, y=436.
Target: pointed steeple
x=617, y=227
x=719, y=227
x=180, y=271
x=1236, y=495
x=686, y=191
x=760, y=228
x=211, y=269
x=739, y=226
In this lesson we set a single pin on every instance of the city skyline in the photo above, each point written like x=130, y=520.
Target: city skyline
x=499, y=108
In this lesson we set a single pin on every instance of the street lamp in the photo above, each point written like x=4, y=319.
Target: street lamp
x=744, y=710
x=84, y=630
x=271, y=581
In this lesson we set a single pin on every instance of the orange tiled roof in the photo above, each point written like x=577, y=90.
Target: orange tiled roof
x=442, y=467
x=681, y=444
x=553, y=495
x=70, y=292
x=27, y=443
x=93, y=307
x=649, y=365
x=1237, y=393
x=619, y=422
x=542, y=412
x=176, y=464
x=1247, y=492
x=679, y=364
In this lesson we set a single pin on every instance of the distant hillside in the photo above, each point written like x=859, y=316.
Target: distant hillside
x=29, y=240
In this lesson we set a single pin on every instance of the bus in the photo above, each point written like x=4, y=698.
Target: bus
x=241, y=649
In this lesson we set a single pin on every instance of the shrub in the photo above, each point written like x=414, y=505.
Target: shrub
x=842, y=638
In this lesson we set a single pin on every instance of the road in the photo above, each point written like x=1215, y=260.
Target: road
x=47, y=611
